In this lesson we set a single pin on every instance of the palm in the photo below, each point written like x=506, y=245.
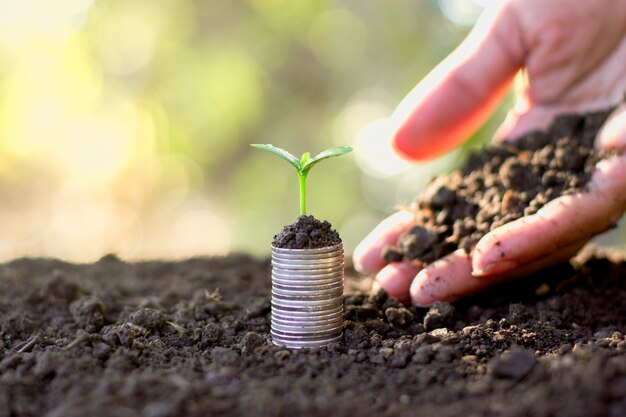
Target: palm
x=567, y=70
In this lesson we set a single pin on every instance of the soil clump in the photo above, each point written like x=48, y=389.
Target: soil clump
x=307, y=233
x=499, y=184
x=158, y=339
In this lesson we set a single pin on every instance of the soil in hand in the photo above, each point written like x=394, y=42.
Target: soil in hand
x=500, y=184
x=307, y=233
x=157, y=339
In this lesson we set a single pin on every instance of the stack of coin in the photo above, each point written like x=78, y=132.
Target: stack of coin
x=307, y=291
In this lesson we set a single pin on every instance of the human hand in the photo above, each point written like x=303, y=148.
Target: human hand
x=573, y=54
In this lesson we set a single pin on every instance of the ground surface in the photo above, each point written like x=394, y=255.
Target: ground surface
x=155, y=339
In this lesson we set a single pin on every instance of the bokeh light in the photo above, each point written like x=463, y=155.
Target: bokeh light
x=125, y=125
x=462, y=12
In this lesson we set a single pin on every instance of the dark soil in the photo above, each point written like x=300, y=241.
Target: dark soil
x=307, y=233
x=500, y=184
x=191, y=339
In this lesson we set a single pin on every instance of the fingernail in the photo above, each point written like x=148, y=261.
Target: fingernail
x=357, y=263
x=495, y=268
x=421, y=302
x=545, y=210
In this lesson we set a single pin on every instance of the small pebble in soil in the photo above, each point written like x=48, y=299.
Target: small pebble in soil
x=439, y=315
x=380, y=297
x=356, y=337
x=211, y=334
x=362, y=312
x=148, y=318
x=513, y=364
x=251, y=341
x=398, y=317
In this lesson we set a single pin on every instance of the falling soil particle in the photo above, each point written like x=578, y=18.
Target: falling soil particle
x=306, y=233
x=500, y=184
x=158, y=339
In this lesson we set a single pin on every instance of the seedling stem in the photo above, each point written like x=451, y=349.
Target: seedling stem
x=304, y=164
x=302, y=193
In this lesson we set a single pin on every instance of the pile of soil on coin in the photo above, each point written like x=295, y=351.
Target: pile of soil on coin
x=500, y=184
x=163, y=339
x=307, y=233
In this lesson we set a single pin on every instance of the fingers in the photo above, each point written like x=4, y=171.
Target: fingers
x=461, y=92
x=396, y=279
x=446, y=279
x=451, y=278
x=613, y=133
x=525, y=119
x=560, y=223
x=367, y=256
x=518, y=248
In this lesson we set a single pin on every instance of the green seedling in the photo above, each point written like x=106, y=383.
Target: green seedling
x=304, y=164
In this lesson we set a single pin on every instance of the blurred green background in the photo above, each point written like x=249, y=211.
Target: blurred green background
x=125, y=125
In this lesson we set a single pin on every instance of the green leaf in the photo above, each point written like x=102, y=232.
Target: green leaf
x=305, y=157
x=328, y=153
x=281, y=153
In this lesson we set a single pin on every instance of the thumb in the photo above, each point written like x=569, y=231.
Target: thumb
x=447, y=106
x=613, y=133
